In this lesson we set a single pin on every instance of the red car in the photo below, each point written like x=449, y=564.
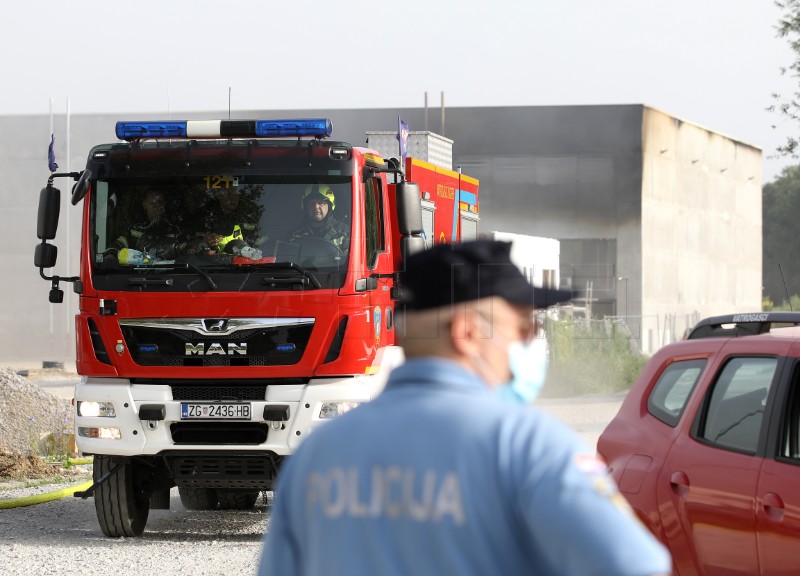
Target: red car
x=706, y=446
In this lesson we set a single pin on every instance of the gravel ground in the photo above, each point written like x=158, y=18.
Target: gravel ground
x=63, y=536
x=29, y=413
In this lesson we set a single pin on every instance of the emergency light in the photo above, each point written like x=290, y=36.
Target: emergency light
x=173, y=129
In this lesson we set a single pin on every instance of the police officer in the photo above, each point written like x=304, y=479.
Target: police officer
x=319, y=204
x=440, y=474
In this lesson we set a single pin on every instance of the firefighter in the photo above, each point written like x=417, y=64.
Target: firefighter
x=319, y=204
x=155, y=235
x=440, y=474
x=229, y=226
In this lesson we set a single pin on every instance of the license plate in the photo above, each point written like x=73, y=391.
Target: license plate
x=214, y=411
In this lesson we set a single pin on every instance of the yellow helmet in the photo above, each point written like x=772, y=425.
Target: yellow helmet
x=322, y=190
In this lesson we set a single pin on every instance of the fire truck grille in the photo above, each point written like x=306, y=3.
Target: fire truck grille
x=213, y=393
x=170, y=346
x=218, y=433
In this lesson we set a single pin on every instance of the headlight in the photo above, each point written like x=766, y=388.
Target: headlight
x=105, y=409
x=102, y=433
x=333, y=409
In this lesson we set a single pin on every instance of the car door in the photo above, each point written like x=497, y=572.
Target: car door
x=708, y=483
x=778, y=493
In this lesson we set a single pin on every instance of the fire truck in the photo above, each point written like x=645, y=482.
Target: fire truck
x=211, y=336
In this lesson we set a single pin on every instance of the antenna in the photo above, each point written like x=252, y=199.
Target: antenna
x=788, y=299
x=229, y=102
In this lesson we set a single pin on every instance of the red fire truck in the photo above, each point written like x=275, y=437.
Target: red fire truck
x=216, y=329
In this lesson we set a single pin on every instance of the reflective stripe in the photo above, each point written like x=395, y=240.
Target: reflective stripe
x=236, y=235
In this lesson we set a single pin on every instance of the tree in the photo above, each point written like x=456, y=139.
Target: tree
x=781, y=240
x=789, y=28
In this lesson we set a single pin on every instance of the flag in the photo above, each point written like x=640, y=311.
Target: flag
x=402, y=137
x=51, y=154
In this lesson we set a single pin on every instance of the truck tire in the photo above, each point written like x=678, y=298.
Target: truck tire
x=236, y=500
x=122, y=506
x=198, y=498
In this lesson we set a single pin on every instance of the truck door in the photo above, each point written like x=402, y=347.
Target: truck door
x=379, y=259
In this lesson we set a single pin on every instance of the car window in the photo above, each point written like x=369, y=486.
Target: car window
x=790, y=443
x=736, y=406
x=674, y=387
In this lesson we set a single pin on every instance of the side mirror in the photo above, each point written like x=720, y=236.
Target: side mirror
x=49, y=210
x=81, y=186
x=45, y=255
x=411, y=245
x=409, y=209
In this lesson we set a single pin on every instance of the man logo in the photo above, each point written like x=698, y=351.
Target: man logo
x=203, y=349
x=215, y=324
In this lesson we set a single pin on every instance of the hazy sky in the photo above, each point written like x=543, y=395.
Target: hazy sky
x=712, y=62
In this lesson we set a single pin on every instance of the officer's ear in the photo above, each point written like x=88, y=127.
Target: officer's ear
x=465, y=331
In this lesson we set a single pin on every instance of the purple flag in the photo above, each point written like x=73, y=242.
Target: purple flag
x=51, y=154
x=402, y=137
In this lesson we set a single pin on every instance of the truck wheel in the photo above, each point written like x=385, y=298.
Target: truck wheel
x=235, y=500
x=198, y=498
x=121, y=505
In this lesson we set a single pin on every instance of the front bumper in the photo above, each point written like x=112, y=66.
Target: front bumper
x=126, y=434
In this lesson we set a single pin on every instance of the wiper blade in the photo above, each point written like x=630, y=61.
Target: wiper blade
x=305, y=277
x=171, y=266
x=200, y=271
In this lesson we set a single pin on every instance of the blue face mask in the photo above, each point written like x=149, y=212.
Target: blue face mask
x=528, y=365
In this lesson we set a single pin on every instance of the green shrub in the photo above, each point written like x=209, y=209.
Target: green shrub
x=599, y=358
x=793, y=304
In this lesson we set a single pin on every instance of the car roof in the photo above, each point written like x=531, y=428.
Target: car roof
x=777, y=324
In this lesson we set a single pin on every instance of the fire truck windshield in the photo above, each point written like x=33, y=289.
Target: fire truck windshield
x=223, y=224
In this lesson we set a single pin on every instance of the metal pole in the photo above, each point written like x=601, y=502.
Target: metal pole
x=52, y=328
x=68, y=308
x=625, y=278
x=458, y=206
x=443, y=130
x=426, y=111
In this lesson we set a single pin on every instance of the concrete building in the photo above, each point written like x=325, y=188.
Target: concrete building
x=658, y=219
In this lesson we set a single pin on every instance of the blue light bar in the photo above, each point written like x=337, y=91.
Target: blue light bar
x=195, y=129
x=319, y=127
x=136, y=130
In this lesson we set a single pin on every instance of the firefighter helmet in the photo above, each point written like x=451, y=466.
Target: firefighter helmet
x=322, y=190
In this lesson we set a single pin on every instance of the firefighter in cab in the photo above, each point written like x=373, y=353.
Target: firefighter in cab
x=230, y=224
x=319, y=205
x=154, y=237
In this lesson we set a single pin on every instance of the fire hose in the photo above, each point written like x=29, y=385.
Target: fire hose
x=47, y=496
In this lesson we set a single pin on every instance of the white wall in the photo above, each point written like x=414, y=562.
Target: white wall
x=533, y=255
x=701, y=225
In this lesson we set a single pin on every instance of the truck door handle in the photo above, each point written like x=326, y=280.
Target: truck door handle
x=679, y=482
x=773, y=506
